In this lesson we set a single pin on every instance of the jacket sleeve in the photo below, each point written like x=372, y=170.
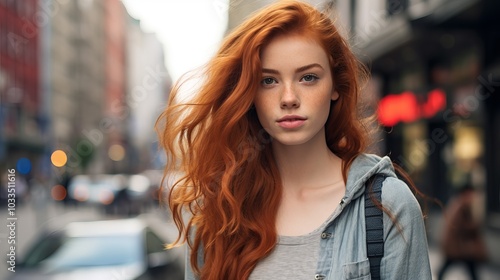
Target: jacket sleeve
x=406, y=254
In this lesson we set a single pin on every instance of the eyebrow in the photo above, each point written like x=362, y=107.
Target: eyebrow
x=300, y=69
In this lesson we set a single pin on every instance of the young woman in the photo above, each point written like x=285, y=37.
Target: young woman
x=271, y=152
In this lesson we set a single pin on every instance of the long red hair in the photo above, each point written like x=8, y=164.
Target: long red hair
x=230, y=187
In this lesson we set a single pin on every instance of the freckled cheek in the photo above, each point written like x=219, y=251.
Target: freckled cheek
x=320, y=103
x=320, y=99
x=323, y=108
x=263, y=112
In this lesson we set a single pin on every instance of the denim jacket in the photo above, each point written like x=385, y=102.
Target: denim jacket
x=343, y=242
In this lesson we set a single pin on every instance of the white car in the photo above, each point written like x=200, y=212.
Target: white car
x=116, y=193
x=111, y=249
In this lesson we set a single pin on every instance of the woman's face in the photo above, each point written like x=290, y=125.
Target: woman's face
x=293, y=100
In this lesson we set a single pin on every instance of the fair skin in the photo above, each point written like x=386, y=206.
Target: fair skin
x=293, y=104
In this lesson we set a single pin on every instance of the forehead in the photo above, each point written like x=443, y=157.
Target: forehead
x=293, y=49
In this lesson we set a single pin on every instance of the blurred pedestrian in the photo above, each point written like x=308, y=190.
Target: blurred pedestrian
x=462, y=240
x=272, y=154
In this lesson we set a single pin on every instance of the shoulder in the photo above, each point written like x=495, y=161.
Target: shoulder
x=404, y=214
x=398, y=198
x=405, y=241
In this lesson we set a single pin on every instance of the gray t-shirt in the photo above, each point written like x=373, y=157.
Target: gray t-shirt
x=294, y=257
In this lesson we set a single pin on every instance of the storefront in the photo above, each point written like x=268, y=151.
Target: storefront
x=440, y=97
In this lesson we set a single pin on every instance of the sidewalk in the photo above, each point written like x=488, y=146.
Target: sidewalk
x=488, y=271
x=457, y=272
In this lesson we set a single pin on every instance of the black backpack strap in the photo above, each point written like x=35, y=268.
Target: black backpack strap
x=374, y=225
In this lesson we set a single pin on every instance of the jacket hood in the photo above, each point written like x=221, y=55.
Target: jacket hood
x=362, y=169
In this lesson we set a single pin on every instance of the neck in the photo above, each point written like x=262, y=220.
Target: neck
x=308, y=166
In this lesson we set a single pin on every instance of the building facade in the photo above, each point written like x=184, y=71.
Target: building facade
x=20, y=132
x=80, y=76
x=440, y=56
x=148, y=85
x=52, y=82
x=117, y=142
x=76, y=82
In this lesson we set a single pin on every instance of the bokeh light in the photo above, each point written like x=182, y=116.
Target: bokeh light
x=116, y=152
x=23, y=165
x=59, y=158
x=106, y=197
x=58, y=192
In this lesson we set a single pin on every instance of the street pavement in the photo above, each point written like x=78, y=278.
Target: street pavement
x=487, y=271
x=458, y=271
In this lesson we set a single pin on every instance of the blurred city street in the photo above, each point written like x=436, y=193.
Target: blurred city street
x=83, y=82
x=487, y=271
x=34, y=220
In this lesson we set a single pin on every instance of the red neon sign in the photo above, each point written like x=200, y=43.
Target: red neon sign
x=404, y=107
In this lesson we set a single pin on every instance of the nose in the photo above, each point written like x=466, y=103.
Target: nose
x=289, y=98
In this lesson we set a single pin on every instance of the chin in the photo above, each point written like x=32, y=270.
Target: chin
x=289, y=141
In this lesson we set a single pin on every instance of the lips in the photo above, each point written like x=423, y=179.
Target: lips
x=291, y=121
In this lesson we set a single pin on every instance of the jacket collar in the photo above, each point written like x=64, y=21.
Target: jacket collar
x=362, y=169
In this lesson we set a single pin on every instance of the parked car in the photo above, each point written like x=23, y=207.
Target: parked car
x=99, y=189
x=155, y=177
x=139, y=193
x=116, y=193
x=160, y=192
x=113, y=249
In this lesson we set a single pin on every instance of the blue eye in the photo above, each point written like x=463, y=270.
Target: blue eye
x=268, y=81
x=309, y=78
